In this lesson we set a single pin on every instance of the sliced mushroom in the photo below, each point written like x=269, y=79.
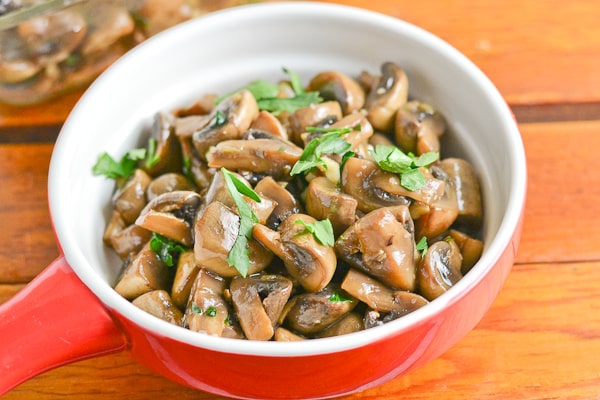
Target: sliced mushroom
x=362, y=130
x=267, y=122
x=218, y=191
x=159, y=304
x=311, y=313
x=356, y=179
x=284, y=335
x=229, y=120
x=258, y=302
x=351, y=322
x=380, y=139
x=286, y=202
x=207, y=310
x=334, y=85
x=16, y=64
x=193, y=167
x=171, y=215
x=309, y=262
x=159, y=15
x=468, y=195
x=168, y=148
x=130, y=199
x=185, y=275
x=201, y=107
x=215, y=233
x=439, y=270
x=264, y=156
x=168, y=182
x=387, y=96
x=382, y=244
x=470, y=249
x=141, y=274
x=129, y=240
x=53, y=37
x=440, y=214
x=313, y=115
x=107, y=24
x=324, y=200
x=418, y=128
x=186, y=126
x=380, y=297
x=430, y=192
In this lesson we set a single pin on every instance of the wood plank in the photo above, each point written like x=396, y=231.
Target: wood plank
x=28, y=243
x=562, y=217
x=540, y=338
x=558, y=184
x=503, y=37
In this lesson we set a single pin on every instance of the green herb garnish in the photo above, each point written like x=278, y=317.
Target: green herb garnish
x=330, y=143
x=392, y=159
x=166, y=249
x=152, y=158
x=109, y=167
x=321, y=230
x=295, y=82
x=239, y=254
x=276, y=105
x=339, y=297
x=422, y=246
x=220, y=119
x=211, y=311
x=196, y=309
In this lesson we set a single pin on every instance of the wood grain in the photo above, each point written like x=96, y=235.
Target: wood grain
x=535, y=51
x=534, y=343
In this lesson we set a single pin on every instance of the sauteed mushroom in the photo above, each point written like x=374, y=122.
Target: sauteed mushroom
x=229, y=120
x=334, y=85
x=207, y=310
x=311, y=263
x=363, y=234
x=130, y=198
x=381, y=243
x=439, y=270
x=387, y=96
x=419, y=127
x=311, y=313
x=107, y=24
x=324, y=200
x=171, y=215
x=215, y=233
x=259, y=301
x=466, y=187
x=159, y=304
x=266, y=156
x=141, y=274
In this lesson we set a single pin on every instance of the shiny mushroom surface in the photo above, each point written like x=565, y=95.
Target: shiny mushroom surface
x=294, y=223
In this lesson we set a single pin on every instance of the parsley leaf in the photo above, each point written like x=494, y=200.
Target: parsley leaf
x=339, y=297
x=330, y=143
x=259, y=89
x=152, y=158
x=109, y=167
x=392, y=159
x=295, y=81
x=422, y=246
x=211, y=311
x=321, y=230
x=166, y=249
x=290, y=104
x=239, y=254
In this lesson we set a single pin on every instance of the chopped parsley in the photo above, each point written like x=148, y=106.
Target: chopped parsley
x=109, y=167
x=422, y=246
x=321, y=230
x=392, y=159
x=166, y=249
x=339, y=297
x=331, y=142
x=239, y=254
x=152, y=158
x=211, y=311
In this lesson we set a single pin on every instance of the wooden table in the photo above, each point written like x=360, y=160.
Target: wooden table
x=541, y=338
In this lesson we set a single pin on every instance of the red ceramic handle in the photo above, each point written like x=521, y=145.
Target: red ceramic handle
x=53, y=321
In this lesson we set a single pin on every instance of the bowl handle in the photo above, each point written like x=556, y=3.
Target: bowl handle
x=53, y=321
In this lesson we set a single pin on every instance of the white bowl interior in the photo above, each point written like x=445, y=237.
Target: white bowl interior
x=228, y=49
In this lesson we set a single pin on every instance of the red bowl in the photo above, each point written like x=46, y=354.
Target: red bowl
x=70, y=311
